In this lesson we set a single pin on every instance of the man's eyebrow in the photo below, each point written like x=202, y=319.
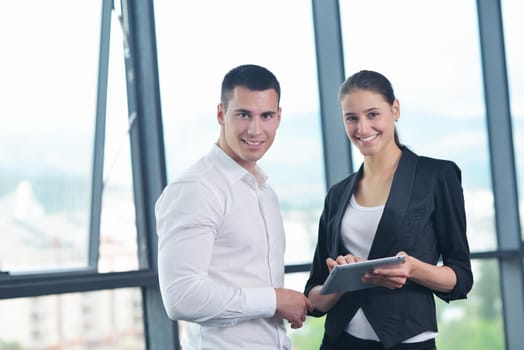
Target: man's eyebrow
x=247, y=111
x=243, y=110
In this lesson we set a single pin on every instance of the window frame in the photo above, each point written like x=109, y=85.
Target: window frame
x=149, y=170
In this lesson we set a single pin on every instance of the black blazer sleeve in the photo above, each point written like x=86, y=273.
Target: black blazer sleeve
x=450, y=228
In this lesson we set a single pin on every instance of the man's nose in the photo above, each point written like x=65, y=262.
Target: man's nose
x=254, y=126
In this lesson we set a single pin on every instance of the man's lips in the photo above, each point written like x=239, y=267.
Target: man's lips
x=253, y=142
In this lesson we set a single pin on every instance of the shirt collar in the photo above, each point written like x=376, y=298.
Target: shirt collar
x=233, y=171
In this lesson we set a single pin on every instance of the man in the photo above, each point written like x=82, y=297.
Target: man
x=221, y=236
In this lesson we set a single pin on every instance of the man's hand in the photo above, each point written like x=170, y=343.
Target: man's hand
x=292, y=306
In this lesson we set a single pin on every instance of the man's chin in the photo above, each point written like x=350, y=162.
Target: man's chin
x=253, y=157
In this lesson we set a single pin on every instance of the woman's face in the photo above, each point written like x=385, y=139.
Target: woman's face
x=369, y=120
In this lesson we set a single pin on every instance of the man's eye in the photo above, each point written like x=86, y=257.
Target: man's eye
x=267, y=116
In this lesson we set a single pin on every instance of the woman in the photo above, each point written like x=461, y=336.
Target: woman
x=398, y=203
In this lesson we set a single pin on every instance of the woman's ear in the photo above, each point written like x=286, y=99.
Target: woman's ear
x=396, y=109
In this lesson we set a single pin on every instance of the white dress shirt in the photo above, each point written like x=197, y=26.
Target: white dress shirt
x=221, y=254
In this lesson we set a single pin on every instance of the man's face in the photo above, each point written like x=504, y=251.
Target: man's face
x=248, y=124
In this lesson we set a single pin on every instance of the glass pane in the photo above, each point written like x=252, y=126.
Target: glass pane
x=436, y=72
x=118, y=233
x=48, y=88
x=480, y=314
x=513, y=16
x=105, y=320
x=191, y=70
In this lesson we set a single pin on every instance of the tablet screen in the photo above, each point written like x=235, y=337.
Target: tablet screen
x=344, y=278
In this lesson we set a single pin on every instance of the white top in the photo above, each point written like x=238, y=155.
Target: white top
x=359, y=226
x=357, y=236
x=221, y=254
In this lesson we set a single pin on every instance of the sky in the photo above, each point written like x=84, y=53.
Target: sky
x=429, y=50
x=430, y=53
x=434, y=67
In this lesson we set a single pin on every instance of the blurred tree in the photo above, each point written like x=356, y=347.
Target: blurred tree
x=309, y=336
x=9, y=346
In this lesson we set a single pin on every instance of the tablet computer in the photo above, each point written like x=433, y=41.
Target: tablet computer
x=345, y=278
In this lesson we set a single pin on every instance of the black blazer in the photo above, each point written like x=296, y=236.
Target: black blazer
x=423, y=216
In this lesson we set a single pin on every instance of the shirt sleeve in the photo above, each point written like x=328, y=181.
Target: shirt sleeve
x=188, y=218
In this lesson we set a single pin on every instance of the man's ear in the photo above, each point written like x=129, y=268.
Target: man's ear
x=220, y=113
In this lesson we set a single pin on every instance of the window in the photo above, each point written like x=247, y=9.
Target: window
x=60, y=228
x=76, y=189
x=436, y=73
x=104, y=319
x=513, y=12
x=440, y=90
x=46, y=140
x=191, y=70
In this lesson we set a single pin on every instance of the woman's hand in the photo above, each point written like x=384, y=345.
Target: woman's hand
x=342, y=260
x=391, y=276
x=437, y=278
x=322, y=302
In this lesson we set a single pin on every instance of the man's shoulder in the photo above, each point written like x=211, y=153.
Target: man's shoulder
x=199, y=183
x=201, y=178
x=197, y=171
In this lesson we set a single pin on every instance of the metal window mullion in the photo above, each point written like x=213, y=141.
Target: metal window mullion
x=74, y=281
x=330, y=71
x=146, y=134
x=503, y=169
x=97, y=186
x=148, y=157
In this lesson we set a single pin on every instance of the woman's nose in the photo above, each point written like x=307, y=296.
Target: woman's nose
x=363, y=125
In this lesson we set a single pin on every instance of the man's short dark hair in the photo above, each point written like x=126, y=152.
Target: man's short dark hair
x=251, y=76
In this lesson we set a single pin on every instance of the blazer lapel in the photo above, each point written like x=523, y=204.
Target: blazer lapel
x=396, y=206
x=335, y=247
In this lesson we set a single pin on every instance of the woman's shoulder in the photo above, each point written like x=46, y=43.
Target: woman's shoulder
x=345, y=182
x=434, y=167
x=433, y=163
x=438, y=164
x=337, y=191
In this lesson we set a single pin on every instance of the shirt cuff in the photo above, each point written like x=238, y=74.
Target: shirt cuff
x=261, y=302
